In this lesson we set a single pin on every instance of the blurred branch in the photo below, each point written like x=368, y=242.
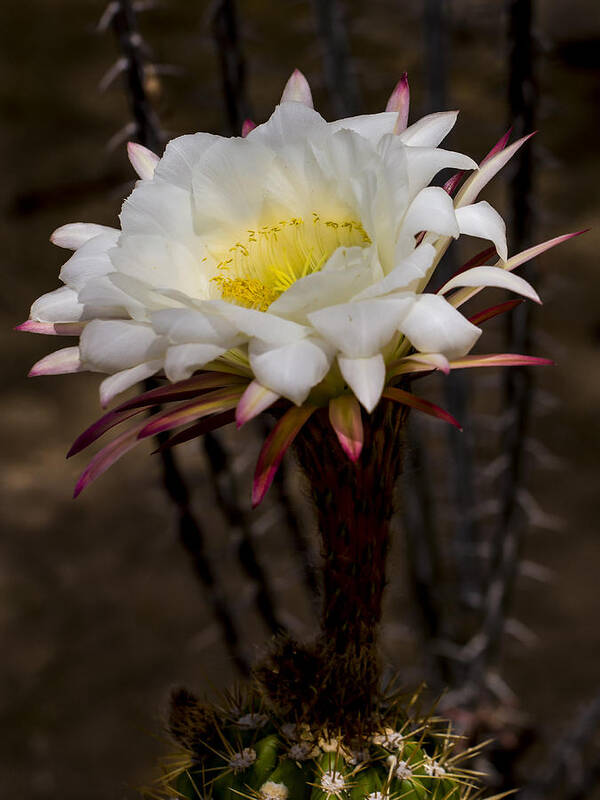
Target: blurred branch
x=121, y=16
x=565, y=760
x=225, y=28
x=335, y=47
x=226, y=492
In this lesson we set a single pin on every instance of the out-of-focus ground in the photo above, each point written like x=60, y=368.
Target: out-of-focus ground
x=99, y=612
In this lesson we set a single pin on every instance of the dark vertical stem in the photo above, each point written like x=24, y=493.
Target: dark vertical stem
x=335, y=47
x=354, y=505
x=225, y=27
x=518, y=381
x=124, y=24
x=435, y=26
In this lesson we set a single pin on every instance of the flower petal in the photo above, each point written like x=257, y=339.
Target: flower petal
x=211, y=403
x=400, y=102
x=366, y=378
x=247, y=126
x=61, y=305
x=292, y=369
x=120, y=381
x=113, y=345
x=254, y=401
x=273, y=450
x=500, y=360
x=434, y=326
x=182, y=360
x=418, y=403
x=361, y=329
x=424, y=163
x=483, y=221
x=429, y=131
x=491, y=276
x=143, y=161
x=107, y=457
x=75, y=234
x=91, y=260
x=346, y=421
x=51, y=328
x=297, y=90
x=61, y=362
x=405, y=276
x=261, y=325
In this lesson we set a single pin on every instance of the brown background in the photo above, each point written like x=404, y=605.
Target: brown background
x=99, y=613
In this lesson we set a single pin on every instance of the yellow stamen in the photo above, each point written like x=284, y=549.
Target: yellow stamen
x=273, y=257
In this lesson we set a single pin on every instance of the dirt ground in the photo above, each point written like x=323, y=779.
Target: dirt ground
x=100, y=613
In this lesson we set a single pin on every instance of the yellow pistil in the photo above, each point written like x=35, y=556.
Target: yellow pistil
x=272, y=258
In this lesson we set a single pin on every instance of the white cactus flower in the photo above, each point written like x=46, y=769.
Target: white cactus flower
x=294, y=259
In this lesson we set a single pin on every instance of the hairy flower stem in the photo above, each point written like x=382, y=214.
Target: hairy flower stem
x=354, y=504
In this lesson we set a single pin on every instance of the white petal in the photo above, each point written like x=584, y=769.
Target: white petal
x=370, y=126
x=162, y=262
x=297, y=90
x=143, y=161
x=347, y=272
x=90, y=260
x=60, y=362
x=61, y=305
x=181, y=155
x=292, y=369
x=431, y=210
x=288, y=126
x=227, y=186
x=157, y=208
x=483, y=221
x=102, y=298
x=182, y=360
x=492, y=276
x=366, y=378
x=182, y=325
x=404, y=277
x=121, y=381
x=261, y=324
x=475, y=183
x=434, y=326
x=75, y=234
x=114, y=345
x=424, y=163
x=429, y=131
x=360, y=330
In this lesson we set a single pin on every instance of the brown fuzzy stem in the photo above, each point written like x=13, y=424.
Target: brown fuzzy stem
x=354, y=504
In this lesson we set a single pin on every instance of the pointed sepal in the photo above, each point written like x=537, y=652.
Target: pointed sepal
x=419, y=404
x=346, y=420
x=400, y=101
x=297, y=90
x=143, y=161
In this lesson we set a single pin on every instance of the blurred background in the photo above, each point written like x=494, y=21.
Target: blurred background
x=102, y=609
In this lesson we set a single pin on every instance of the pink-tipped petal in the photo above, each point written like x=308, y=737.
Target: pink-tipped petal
x=400, y=101
x=408, y=399
x=143, y=161
x=487, y=170
x=183, y=390
x=494, y=311
x=105, y=423
x=247, y=126
x=297, y=90
x=498, y=147
x=346, y=420
x=61, y=362
x=51, y=328
x=453, y=182
x=211, y=403
x=198, y=429
x=273, y=450
x=462, y=295
x=107, y=457
x=433, y=360
x=254, y=401
x=500, y=360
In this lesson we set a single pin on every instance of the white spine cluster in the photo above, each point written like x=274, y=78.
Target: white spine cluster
x=434, y=770
x=302, y=751
x=402, y=771
x=242, y=760
x=333, y=782
x=273, y=791
x=389, y=738
x=252, y=721
x=377, y=796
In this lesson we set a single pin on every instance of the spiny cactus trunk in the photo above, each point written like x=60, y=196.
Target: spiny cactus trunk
x=354, y=504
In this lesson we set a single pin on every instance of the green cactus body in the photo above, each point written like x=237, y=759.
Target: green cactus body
x=275, y=760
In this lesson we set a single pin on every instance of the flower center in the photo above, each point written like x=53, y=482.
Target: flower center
x=257, y=270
